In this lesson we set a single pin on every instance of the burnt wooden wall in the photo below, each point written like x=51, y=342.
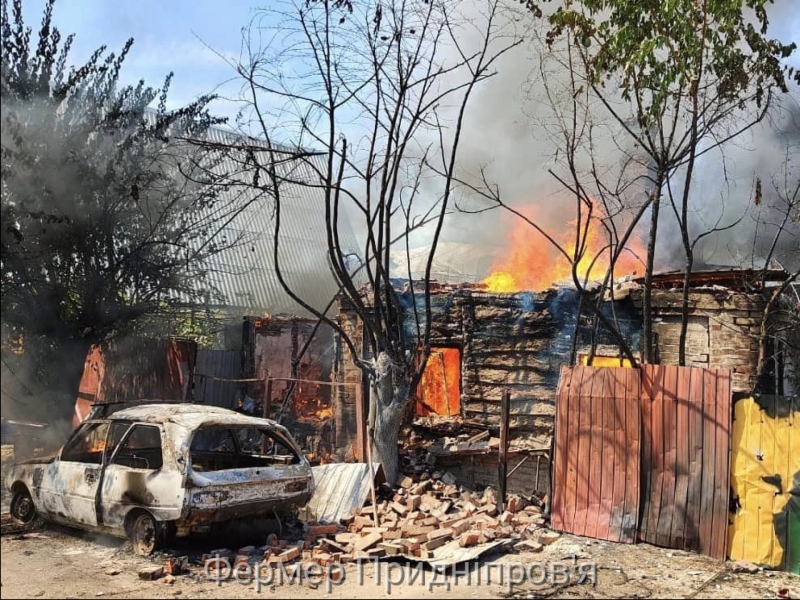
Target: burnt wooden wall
x=513, y=342
x=517, y=341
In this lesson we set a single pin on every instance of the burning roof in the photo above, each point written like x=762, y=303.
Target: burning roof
x=734, y=278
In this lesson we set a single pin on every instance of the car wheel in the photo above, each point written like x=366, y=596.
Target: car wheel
x=145, y=534
x=22, y=509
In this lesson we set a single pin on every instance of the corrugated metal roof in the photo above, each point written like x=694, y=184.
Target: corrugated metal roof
x=339, y=488
x=245, y=274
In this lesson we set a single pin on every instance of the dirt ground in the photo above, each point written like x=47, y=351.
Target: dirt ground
x=60, y=562
x=65, y=563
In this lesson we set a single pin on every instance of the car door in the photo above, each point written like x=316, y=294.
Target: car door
x=70, y=483
x=136, y=476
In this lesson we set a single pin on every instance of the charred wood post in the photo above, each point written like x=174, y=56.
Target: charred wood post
x=362, y=444
x=502, y=454
x=265, y=409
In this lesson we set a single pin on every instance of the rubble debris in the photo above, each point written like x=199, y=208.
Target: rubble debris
x=528, y=546
x=176, y=565
x=151, y=573
x=548, y=537
x=742, y=566
x=425, y=513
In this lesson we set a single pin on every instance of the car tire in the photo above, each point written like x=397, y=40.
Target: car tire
x=145, y=533
x=22, y=509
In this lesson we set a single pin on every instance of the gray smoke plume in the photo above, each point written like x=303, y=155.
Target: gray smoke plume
x=509, y=133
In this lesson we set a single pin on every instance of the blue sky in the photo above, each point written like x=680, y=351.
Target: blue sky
x=167, y=37
x=170, y=35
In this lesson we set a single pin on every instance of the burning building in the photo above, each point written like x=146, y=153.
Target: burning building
x=484, y=342
x=725, y=317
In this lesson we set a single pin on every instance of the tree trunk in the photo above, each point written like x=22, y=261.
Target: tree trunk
x=685, y=308
x=647, y=308
x=389, y=395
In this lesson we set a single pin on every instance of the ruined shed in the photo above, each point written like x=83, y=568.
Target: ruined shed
x=490, y=342
x=286, y=363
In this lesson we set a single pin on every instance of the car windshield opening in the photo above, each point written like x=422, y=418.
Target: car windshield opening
x=219, y=448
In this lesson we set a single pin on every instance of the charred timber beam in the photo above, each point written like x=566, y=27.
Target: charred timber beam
x=502, y=454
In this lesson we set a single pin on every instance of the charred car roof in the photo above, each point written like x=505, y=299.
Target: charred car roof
x=190, y=416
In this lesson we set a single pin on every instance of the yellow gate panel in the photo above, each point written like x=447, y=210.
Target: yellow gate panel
x=765, y=481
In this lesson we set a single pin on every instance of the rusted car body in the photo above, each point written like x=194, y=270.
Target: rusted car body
x=157, y=470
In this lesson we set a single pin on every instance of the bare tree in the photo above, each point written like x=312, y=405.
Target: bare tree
x=781, y=318
x=675, y=82
x=379, y=91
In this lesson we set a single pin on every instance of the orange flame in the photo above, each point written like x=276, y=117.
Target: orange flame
x=98, y=446
x=312, y=406
x=532, y=263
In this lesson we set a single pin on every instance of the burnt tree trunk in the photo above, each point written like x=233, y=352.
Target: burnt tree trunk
x=687, y=276
x=389, y=396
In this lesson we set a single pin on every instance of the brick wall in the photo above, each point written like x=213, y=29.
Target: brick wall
x=722, y=334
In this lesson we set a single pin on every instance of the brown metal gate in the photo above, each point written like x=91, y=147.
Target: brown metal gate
x=686, y=413
x=659, y=433
x=596, y=470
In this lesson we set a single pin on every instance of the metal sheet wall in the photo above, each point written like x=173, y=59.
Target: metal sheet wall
x=596, y=467
x=676, y=421
x=212, y=367
x=765, y=482
x=686, y=413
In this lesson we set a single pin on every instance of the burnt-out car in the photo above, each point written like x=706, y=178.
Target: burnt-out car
x=159, y=470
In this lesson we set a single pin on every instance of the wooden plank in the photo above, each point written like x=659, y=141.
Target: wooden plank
x=266, y=408
x=502, y=454
x=633, y=434
x=709, y=460
x=669, y=414
x=719, y=528
x=608, y=452
x=361, y=424
x=682, y=459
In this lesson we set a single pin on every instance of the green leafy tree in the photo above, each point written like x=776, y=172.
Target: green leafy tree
x=680, y=78
x=108, y=212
